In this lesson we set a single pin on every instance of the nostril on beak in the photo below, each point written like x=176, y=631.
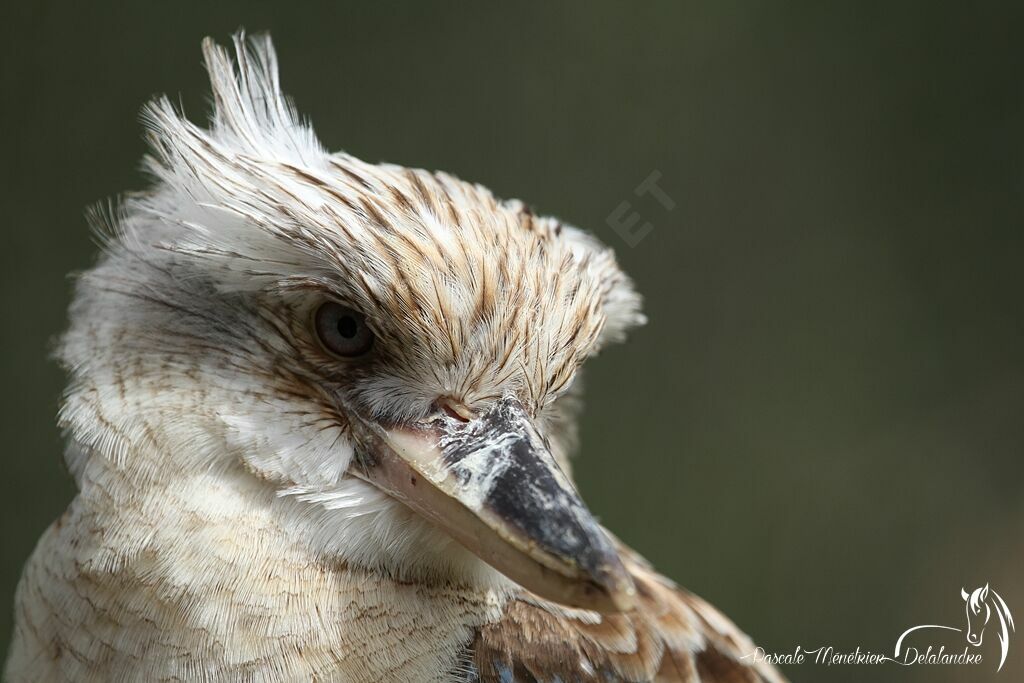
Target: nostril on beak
x=455, y=409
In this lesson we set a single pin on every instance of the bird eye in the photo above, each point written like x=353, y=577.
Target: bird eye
x=342, y=331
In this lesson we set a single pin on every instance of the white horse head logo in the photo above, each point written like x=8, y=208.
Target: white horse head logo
x=980, y=604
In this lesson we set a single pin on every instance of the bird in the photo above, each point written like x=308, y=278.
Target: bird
x=319, y=418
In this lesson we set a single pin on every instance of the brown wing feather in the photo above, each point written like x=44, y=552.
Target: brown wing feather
x=672, y=637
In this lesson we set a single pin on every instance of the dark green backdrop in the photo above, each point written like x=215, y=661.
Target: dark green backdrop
x=821, y=428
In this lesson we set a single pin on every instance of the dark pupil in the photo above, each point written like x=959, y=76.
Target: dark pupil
x=347, y=327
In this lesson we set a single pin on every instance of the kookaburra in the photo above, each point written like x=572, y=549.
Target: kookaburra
x=319, y=418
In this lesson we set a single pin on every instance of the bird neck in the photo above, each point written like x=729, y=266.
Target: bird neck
x=207, y=571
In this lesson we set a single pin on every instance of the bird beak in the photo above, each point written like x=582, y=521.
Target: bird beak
x=493, y=485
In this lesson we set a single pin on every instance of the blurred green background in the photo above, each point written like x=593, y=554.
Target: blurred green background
x=820, y=429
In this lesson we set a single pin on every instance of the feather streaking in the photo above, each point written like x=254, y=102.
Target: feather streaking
x=217, y=533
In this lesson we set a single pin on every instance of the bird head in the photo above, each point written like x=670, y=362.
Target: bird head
x=384, y=358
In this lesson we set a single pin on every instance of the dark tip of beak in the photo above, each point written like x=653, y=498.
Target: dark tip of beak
x=614, y=590
x=491, y=481
x=532, y=496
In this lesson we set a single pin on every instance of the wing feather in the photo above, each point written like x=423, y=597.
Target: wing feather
x=672, y=637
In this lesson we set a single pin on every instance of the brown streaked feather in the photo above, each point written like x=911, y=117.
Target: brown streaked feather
x=672, y=637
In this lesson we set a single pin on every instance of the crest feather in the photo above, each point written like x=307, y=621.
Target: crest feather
x=251, y=113
x=450, y=276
